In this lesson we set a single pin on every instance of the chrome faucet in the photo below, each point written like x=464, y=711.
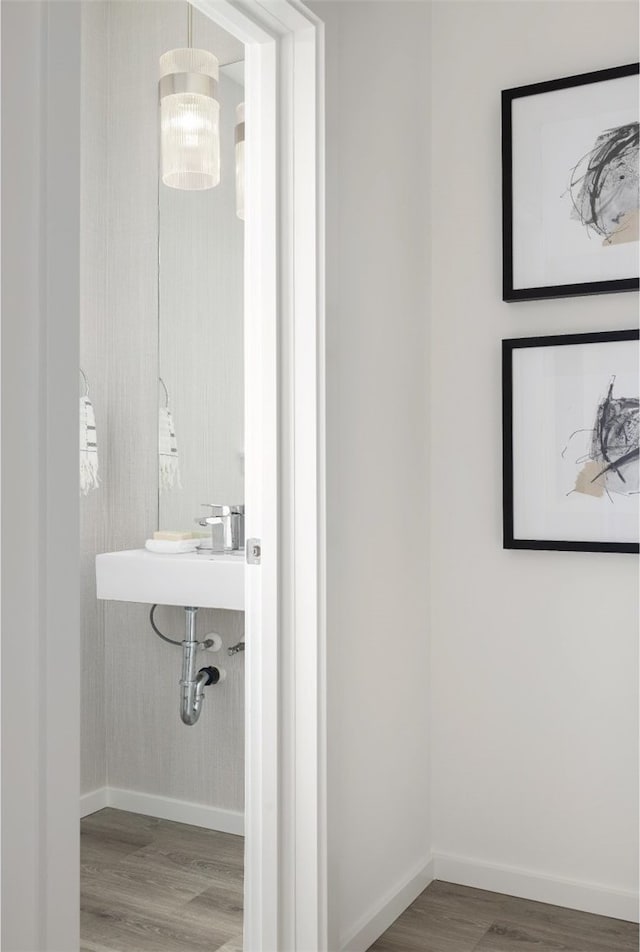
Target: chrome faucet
x=231, y=518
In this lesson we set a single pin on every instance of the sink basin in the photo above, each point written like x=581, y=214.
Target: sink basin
x=193, y=579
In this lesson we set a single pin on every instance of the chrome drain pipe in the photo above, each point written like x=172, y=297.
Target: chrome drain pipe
x=192, y=682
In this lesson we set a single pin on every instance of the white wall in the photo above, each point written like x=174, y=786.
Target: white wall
x=528, y=694
x=534, y=654
x=40, y=532
x=377, y=315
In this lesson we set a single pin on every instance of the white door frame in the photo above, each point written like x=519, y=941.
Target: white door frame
x=285, y=804
x=285, y=892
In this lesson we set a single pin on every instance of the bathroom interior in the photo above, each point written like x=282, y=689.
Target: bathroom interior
x=161, y=383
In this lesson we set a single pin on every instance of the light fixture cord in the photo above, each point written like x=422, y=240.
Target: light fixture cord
x=189, y=25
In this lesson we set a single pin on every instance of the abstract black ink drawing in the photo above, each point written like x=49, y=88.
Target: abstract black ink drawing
x=611, y=463
x=570, y=185
x=580, y=392
x=604, y=186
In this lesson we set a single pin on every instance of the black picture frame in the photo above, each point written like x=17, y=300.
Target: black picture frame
x=570, y=289
x=509, y=346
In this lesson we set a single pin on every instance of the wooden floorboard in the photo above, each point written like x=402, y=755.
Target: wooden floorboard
x=450, y=918
x=150, y=885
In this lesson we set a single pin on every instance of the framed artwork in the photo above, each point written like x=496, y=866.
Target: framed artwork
x=570, y=442
x=570, y=186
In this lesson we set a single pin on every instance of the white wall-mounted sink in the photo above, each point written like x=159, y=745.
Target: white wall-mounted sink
x=196, y=579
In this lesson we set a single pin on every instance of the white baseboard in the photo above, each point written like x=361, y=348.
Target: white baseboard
x=93, y=801
x=371, y=926
x=587, y=897
x=165, y=808
x=182, y=811
x=525, y=884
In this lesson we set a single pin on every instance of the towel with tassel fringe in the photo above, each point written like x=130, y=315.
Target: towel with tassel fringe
x=88, y=447
x=169, y=465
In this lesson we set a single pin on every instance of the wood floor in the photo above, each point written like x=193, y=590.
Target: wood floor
x=447, y=918
x=150, y=885
x=154, y=886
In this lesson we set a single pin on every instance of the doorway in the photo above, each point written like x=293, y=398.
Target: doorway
x=162, y=406
x=284, y=768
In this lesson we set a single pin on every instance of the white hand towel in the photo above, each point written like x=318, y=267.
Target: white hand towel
x=169, y=465
x=88, y=448
x=165, y=547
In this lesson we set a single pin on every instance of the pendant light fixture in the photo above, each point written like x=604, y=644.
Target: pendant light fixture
x=189, y=117
x=239, y=136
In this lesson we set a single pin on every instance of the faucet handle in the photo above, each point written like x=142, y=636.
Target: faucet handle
x=232, y=520
x=216, y=508
x=214, y=518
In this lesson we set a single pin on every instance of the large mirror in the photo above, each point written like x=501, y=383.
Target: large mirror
x=200, y=378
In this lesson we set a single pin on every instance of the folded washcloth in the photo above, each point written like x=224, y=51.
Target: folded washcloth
x=88, y=447
x=169, y=466
x=166, y=547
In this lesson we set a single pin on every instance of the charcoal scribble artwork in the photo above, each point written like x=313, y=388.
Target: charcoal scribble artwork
x=604, y=186
x=610, y=466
